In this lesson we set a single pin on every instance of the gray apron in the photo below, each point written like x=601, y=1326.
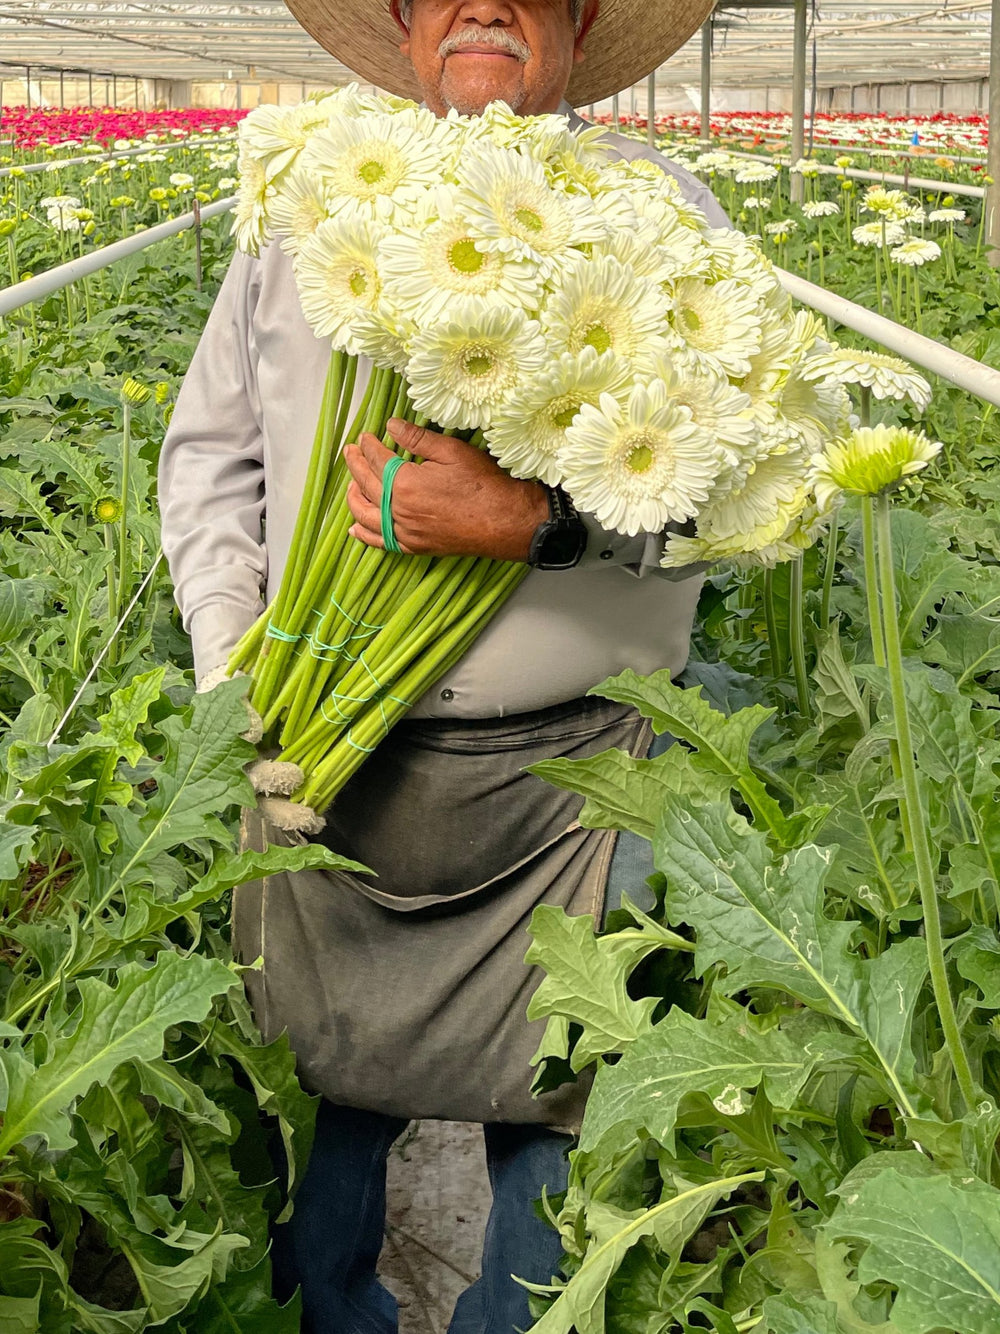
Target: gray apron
x=406, y=992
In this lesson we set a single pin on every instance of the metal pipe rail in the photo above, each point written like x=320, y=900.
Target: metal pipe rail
x=884, y=178
x=106, y=157
x=36, y=289
x=973, y=376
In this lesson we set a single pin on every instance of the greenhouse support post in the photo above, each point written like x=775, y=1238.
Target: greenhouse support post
x=797, y=187
x=706, y=80
x=651, y=110
x=992, y=202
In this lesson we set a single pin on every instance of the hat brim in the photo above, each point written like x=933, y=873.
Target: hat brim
x=628, y=40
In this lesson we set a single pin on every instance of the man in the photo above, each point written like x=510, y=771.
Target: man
x=404, y=996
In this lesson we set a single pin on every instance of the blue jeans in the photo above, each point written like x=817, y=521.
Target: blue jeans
x=332, y=1243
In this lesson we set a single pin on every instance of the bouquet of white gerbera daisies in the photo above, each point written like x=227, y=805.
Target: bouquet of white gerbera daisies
x=571, y=313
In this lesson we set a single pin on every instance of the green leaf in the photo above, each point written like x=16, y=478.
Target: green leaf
x=580, y=1305
x=20, y=601
x=837, y=694
x=764, y=919
x=243, y=1305
x=786, y=1314
x=626, y=793
x=935, y=1238
x=680, y=1056
x=170, y=1289
x=926, y=570
x=127, y=710
x=54, y=459
x=977, y=958
x=20, y=1315
x=113, y=1024
x=968, y=645
x=585, y=982
x=15, y=844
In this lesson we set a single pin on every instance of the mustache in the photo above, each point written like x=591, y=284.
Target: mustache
x=498, y=37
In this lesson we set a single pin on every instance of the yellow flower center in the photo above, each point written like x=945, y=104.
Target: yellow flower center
x=598, y=337
x=529, y=219
x=477, y=363
x=690, y=319
x=465, y=258
x=358, y=283
x=371, y=172
x=640, y=456
x=563, y=416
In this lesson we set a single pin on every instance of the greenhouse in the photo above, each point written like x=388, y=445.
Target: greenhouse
x=499, y=667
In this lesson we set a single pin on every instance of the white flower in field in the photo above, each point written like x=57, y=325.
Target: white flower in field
x=378, y=163
x=181, y=180
x=530, y=429
x=821, y=208
x=463, y=372
x=754, y=172
x=602, y=304
x=228, y=183
x=916, y=252
x=809, y=412
x=151, y=157
x=886, y=376
x=718, y=324
x=806, y=167
x=426, y=267
x=639, y=466
x=219, y=161
x=297, y=209
x=916, y=216
x=757, y=201
x=946, y=215
x=337, y=274
x=713, y=161
x=509, y=199
x=873, y=233
x=250, y=220
x=60, y=201
x=872, y=459
x=782, y=228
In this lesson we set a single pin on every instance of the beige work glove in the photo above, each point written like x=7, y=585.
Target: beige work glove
x=273, y=780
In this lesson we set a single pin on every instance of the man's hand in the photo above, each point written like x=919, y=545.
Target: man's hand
x=458, y=502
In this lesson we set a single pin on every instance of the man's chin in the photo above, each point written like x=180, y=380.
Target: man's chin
x=472, y=99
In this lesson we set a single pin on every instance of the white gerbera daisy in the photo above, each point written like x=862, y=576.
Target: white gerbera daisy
x=531, y=428
x=602, y=304
x=821, y=208
x=768, y=368
x=379, y=164
x=782, y=228
x=796, y=525
x=892, y=204
x=712, y=161
x=946, y=215
x=715, y=404
x=916, y=252
x=886, y=376
x=873, y=233
x=718, y=324
x=872, y=459
x=757, y=201
x=384, y=336
x=755, y=172
x=181, y=180
x=274, y=136
x=509, y=199
x=638, y=467
x=464, y=371
x=337, y=275
x=809, y=412
x=297, y=209
x=250, y=216
x=758, y=512
x=424, y=269
x=806, y=167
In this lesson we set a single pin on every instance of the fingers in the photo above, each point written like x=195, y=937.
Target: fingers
x=424, y=443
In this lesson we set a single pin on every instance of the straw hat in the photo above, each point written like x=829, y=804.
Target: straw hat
x=629, y=39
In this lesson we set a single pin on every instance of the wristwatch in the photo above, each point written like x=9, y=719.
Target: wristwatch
x=560, y=541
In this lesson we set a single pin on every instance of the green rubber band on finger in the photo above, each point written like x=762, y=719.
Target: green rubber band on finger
x=388, y=477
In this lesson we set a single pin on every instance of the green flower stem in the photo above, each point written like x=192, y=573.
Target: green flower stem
x=771, y=621
x=123, y=571
x=829, y=571
x=916, y=301
x=797, y=638
x=871, y=581
x=915, y=812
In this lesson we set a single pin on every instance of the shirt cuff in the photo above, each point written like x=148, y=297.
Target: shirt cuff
x=215, y=631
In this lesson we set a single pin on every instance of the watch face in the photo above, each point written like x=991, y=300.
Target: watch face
x=561, y=545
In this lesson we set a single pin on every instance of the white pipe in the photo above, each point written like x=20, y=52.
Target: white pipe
x=914, y=182
x=958, y=369
x=36, y=289
x=105, y=157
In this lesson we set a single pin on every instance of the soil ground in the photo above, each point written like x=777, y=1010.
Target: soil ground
x=437, y=1204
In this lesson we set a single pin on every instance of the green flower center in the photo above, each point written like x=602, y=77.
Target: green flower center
x=465, y=258
x=640, y=457
x=529, y=219
x=372, y=172
x=477, y=363
x=598, y=337
x=563, y=416
x=358, y=283
x=689, y=318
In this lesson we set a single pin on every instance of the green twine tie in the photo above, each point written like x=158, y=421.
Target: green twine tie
x=388, y=531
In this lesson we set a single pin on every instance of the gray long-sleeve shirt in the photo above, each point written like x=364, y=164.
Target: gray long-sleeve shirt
x=233, y=469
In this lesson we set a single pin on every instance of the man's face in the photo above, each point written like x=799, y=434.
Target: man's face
x=468, y=53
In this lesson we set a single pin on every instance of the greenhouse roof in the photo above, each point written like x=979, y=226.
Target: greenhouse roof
x=889, y=40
